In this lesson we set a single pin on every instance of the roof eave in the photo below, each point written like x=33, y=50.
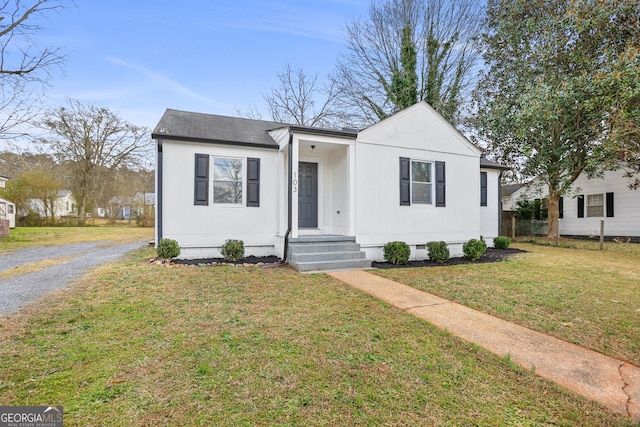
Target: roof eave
x=164, y=137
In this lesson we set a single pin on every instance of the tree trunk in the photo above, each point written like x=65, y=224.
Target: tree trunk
x=553, y=211
x=81, y=208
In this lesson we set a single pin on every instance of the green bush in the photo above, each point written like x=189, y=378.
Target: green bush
x=438, y=251
x=168, y=248
x=474, y=249
x=397, y=252
x=233, y=250
x=501, y=242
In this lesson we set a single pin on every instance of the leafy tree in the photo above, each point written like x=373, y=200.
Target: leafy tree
x=23, y=61
x=404, y=81
x=561, y=91
x=94, y=143
x=375, y=76
x=40, y=184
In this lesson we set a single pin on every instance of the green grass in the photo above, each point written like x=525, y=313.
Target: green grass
x=139, y=344
x=23, y=237
x=574, y=292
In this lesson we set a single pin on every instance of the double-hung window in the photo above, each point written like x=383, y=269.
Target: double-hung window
x=421, y=182
x=417, y=181
x=595, y=205
x=227, y=180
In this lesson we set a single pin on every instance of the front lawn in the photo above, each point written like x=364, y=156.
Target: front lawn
x=574, y=292
x=139, y=344
x=22, y=237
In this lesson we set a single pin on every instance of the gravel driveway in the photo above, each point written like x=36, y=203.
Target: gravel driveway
x=16, y=291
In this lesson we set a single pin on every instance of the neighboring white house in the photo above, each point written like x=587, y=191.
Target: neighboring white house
x=411, y=177
x=8, y=211
x=63, y=205
x=7, y=208
x=592, y=200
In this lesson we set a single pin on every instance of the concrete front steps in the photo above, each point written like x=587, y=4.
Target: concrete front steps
x=326, y=253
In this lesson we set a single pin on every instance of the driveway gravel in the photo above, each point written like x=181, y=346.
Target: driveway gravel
x=16, y=291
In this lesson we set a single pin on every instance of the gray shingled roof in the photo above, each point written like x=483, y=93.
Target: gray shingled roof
x=189, y=126
x=185, y=125
x=484, y=163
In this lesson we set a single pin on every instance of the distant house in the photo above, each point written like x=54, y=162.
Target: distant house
x=7, y=208
x=608, y=198
x=321, y=198
x=8, y=212
x=131, y=207
x=64, y=205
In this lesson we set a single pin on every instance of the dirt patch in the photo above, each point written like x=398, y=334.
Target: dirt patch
x=492, y=255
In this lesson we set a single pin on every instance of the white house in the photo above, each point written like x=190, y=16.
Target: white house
x=8, y=212
x=590, y=201
x=291, y=190
x=63, y=205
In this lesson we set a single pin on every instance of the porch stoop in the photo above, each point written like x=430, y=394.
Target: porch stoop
x=322, y=253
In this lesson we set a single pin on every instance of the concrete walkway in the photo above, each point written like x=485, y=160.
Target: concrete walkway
x=613, y=383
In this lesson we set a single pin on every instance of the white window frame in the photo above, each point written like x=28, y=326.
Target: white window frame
x=429, y=184
x=241, y=181
x=591, y=206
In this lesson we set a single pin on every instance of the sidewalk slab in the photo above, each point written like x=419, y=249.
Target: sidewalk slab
x=613, y=383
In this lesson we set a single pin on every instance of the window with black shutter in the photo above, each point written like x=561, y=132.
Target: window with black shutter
x=253, y=182
x=440, y=184
x=609, y=205
x=405, y=181
x=561, y=207
x=201, y=180
x=483, y=189
x=581, y=206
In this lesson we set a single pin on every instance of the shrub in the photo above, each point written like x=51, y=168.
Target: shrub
x=501, y=242
x=397, y=252
x=438, y=251
x=233, y=250
x=168, y=248
x=474, y=249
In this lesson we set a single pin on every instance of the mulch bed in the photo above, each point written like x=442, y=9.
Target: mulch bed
x=492, y=255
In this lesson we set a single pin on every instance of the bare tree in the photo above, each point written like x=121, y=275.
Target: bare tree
x=303, y=99
x=441, y=33
x=94, y=142
x=23, y=61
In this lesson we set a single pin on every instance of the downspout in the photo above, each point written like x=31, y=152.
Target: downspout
x=289, y=198
x=159, y=191
x=500, y=203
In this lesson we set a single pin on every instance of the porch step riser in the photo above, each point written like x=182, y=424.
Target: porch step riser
x=331, y=265
x=326, y=253
x=326, y=256
x=305, y=248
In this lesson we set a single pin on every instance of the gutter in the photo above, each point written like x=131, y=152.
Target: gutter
x=500, y=202
x=289, y=197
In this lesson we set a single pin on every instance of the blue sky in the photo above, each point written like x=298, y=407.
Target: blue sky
x=140, y=57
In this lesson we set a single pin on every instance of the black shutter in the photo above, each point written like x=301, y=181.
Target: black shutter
x=581, y=206
x=483, y=189
x=253, y=182
x=405, y=181
x=609, y=205
x=440, y=185
x=201, y=181
x=561, y=207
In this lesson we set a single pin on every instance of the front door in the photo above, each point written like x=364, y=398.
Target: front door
x=308, y=195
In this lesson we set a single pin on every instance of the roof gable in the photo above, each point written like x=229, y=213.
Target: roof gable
x=419, y=127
